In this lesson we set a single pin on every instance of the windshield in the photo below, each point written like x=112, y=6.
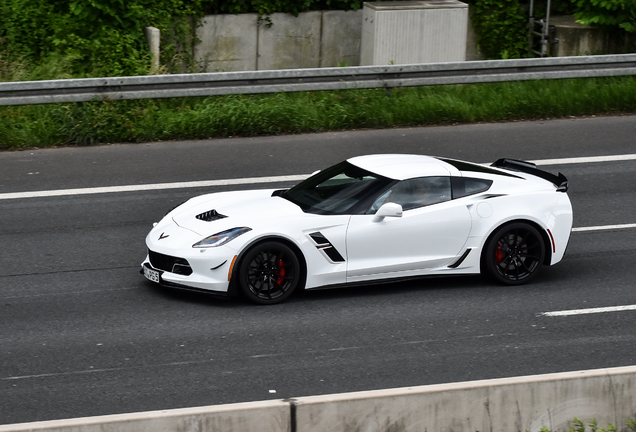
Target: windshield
x=342, y=189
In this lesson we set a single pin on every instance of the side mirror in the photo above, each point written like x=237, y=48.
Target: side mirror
x=388, y=210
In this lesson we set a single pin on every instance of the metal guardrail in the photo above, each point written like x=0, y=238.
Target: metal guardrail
x=294, y=80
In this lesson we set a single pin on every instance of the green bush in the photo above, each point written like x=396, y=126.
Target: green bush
x=98, y=37
x=501, y=27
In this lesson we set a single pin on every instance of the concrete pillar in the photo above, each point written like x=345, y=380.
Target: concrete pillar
x=153, y=36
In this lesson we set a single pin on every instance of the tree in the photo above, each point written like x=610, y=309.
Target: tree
x=608, y=14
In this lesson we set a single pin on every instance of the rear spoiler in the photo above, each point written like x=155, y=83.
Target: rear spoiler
x=559, y=181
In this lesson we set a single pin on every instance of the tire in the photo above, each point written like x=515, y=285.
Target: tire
x=269, y=273
x=514, y=253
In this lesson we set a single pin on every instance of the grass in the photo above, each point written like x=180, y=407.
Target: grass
x=91, y=123
x=579, y=426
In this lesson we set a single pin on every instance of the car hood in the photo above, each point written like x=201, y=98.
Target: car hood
x=213, y=213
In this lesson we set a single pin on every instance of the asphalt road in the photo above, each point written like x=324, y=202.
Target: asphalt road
x=83, y=334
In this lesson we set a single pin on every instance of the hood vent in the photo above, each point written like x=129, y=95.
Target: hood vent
x=210, y=216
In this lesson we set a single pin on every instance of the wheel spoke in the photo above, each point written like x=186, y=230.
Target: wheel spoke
x=506, y=256
x=269, y=288
x=533, y=245
x=280, y=287
x=524, y=239
x=525, y=266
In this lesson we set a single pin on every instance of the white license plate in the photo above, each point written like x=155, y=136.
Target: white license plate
x=151, y=274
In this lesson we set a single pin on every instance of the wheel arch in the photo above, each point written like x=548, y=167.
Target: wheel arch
x=547, y=242
x=233, y=289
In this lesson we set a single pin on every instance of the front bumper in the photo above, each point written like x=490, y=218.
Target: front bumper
x=175, y=263
x=200, y=277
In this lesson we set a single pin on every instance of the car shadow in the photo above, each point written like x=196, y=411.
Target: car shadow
x=379, y=290
x=388, y=289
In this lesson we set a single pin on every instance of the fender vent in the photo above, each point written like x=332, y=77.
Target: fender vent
x=325, y=245
x=460, y=260
x=210, y=216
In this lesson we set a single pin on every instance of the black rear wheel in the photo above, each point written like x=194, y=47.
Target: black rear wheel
x=514, y=253
x=269, y=273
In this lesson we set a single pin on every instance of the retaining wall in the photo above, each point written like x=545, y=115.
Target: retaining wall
x=317, y=39
x=279, y=41
x=501, y=405
x=314, y=39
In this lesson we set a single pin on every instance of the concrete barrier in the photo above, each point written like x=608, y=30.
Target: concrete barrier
x=500, y=405
x=267, y=416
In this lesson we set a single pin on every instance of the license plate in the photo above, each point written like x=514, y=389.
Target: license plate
x=151, y=274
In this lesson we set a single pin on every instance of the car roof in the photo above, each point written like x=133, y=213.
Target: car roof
x=404, y=166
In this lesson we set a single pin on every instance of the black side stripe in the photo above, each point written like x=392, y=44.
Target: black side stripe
x=325, y=245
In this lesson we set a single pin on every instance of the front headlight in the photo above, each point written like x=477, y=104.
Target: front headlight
x=219, y=239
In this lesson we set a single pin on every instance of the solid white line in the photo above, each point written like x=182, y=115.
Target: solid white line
x=590, y=159
x=147, y=187
x=603, y=227
x=254, y=180
x=590, y=311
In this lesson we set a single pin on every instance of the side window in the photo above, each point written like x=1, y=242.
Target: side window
x=414, y=193
x=463, y=186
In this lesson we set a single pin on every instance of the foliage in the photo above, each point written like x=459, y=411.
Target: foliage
x=99, y=37
x=608, y=14
x=106, y=38
x=501, y=28
x=91, y=123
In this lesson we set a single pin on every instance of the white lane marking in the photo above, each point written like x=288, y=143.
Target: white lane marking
x=603, y=227
x=590, y=311
x=254, y=180
x=147, y=187
x=589, y=159
x=90, y=371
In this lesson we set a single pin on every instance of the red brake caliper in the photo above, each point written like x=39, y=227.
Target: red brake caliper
x=281, y=272
x=498, y=253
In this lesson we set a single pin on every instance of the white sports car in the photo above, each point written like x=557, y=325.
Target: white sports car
x=370, y=218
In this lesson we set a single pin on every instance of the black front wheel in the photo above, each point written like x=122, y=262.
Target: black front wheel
x=514, y=253
x=269, y=273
